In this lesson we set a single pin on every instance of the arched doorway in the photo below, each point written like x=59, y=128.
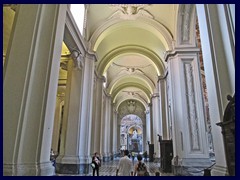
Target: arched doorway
x=131, y=133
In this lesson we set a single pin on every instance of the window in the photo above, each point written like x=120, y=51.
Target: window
x=77, y=11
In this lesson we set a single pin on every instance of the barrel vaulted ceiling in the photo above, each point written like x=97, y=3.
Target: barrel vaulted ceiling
x=130, y=41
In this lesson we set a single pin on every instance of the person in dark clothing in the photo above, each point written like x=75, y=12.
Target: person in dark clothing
x=97, y=162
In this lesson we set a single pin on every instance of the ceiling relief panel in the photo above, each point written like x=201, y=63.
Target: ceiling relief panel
x=132, y=107
x=130, y=11
x=186, y=25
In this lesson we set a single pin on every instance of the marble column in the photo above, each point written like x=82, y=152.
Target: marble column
x=103, y=144
x=57, y=122
x=217, y=32
x=86, y=113
x=68, y=160
x=163, y=107
x=118, y=134
x=168, y=108
x=111, y=130
x=30, y=82
x=148, y=128
x=75, y=155
x=156, y=123
x=108, y=127
x=151, y=122
x=189, y=136
x=96, y=125
x=105, y=128
x=115, y=132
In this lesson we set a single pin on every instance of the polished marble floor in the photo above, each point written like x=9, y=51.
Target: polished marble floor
x=109, y=168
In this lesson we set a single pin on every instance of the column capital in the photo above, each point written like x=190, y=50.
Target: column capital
x=115, y=111
x=91, y=55
x=107, y=94
x=102, y=78
x=163, y=77
x=155, y=95
x=77, y=58
x=179, y=50
x=147, y=112
x=61, y=96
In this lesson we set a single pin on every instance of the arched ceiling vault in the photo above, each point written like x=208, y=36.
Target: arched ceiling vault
x=133, y=88
x=125, y=99
x=106, y=61
x=130, y=41
x=130, y=77
x=147, y=25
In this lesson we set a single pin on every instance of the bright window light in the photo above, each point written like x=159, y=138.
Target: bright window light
x=77, y=11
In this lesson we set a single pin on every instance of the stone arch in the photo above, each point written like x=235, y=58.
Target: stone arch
x=147, y=24
x=185, y=30
x=142, y=51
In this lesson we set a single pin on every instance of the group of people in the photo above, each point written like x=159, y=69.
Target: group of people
x=125, y=166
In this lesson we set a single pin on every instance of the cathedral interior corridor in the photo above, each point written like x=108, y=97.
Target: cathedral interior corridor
x=83, y=83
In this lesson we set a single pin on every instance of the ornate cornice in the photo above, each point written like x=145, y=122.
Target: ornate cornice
x=182, y=50
x=154, y=95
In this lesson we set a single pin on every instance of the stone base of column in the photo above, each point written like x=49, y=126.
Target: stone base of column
x=83, y=169
x=106, y=158
x=33, y=169
x=73, y=165
x=202, y=162
x=157, y=159
x=191, y=167
x=219, y=171
x=115, y=155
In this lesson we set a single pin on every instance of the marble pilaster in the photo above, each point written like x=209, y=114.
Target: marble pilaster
x=30, y=81
x=218, y=49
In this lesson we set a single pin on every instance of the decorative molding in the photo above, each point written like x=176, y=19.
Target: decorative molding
x=147, y=112
x=162, y=31
x=186, y=26
x=77, y=59
x=12, y=6
x=72, y=36
x=185, y=29
x=91, y=55
x=64, y=65
x=155, y=95
x=191, y=107
x=163, y=77
x=182, y=50
x=130, y=11
x=131, y=106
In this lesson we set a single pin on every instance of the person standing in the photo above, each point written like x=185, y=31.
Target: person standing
x=140, y=169
x=125, y=165
x=133, y=157
x=96, y=161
